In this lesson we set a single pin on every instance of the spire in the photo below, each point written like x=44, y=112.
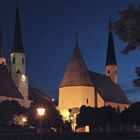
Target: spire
x=17, y=44
x=76, y=73
x=2, y=52
x=111, y=58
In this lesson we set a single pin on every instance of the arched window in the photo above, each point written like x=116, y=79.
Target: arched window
x=22, y=60
x=87, y=101
x=14, y=60
x=108, y=71
x=18, y=72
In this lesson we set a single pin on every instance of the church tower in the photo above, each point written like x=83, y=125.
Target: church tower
x=18, y=69
x=111, y=63
x=2, y=53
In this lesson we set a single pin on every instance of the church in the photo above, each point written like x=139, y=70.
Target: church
x=81, y=86
x=14, y=84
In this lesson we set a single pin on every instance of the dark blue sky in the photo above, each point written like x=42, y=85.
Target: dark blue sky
x=48, y=30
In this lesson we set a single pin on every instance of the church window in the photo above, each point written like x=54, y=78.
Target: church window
x=22, y=60
x=87, y=101
x=18, y=72
x=14, y=60
x=108, y=71
x=70, y=110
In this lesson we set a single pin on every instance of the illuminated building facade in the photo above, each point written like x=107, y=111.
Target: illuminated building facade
x=81, y=86
x=14, y=84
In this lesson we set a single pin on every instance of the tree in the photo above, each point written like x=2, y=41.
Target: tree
x=8, y=109
x=137, y=81
x=109, y=115
x=51, y=118
x=128, y=30
x=97, y=116
x=132, y=115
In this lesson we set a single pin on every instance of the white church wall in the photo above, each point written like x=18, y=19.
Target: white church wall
x=18, y=63
x=100, y=101
x=20, y=101
x=76, y=96
x=111, y=71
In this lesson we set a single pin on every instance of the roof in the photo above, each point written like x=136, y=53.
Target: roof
x=7, y=85
x=107, y=89
x=17, y=43
x=2, y=52
x=111, y=58
x=76, y=73
x=38, y=96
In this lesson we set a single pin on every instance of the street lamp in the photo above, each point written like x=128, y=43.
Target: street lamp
x=41, y=113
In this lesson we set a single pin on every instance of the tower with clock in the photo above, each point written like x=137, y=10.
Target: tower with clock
x=18, y=69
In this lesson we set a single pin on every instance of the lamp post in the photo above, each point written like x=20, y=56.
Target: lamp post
x=41, y=113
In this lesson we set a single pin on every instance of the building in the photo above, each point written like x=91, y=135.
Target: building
x=14, y=84
x=81, y=86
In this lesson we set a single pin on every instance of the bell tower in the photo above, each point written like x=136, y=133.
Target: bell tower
x=18, y=67
x=111, y=63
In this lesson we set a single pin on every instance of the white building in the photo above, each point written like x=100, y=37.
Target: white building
x=14, y=84
x=81, y=86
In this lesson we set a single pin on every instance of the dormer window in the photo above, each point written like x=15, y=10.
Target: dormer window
x=87, y=101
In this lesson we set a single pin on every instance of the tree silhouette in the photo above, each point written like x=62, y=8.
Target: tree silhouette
x=7, y=110
x=97, y=116
x=51, y=118
x=128, y=30
x=132, y=115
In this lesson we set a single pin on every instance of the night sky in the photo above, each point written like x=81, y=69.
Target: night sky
x=48, y=31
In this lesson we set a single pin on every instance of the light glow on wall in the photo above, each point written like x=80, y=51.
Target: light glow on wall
x=23, y=78
x=65, y=114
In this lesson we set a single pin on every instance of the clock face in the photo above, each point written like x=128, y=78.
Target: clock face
x=23, y=78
